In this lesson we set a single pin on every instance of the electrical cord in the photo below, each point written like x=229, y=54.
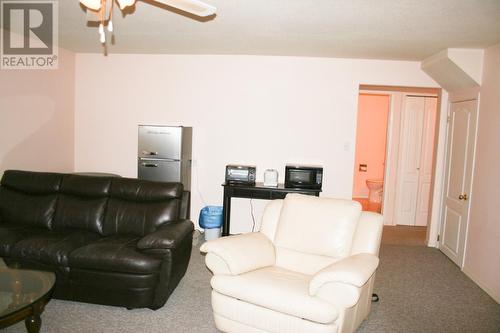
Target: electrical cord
x=253, y=216
x=198, y=183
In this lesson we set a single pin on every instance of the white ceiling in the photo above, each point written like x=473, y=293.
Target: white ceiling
x=380, y=29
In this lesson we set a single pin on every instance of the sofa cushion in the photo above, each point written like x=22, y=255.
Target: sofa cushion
x=86, y=186
x=277, y=289
x=10, y=234
x=27, y=209
x=143, y=190
x=32, y=182
x=80, y=212
x=116, y=253
x=138, y=207
x=138, y=218
x=29, y=198
x=82, y=203
x=51, y=247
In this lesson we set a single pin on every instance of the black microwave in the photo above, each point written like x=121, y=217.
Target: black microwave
x=302, y=176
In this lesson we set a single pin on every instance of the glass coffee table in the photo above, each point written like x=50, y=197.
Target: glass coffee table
x=23, y=295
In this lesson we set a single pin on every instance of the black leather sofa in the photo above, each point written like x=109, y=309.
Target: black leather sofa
x=113, y=241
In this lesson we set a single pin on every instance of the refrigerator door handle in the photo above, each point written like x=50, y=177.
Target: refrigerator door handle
x=158, y=159
x=149, y=165
x=150, y=153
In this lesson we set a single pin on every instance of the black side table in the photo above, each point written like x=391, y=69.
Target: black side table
x=258, y=191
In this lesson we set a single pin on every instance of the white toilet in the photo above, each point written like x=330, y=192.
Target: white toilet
x=376, y=187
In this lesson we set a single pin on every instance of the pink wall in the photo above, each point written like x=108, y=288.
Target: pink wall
x=371, y=136
x=37, y=117
x=483, y=246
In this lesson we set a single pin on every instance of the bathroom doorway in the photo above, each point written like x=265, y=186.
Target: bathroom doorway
x=370, y=156
x=395, y=155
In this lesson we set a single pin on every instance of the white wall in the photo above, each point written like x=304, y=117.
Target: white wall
x=37, y=117
x=244, y=109
x=483, y=245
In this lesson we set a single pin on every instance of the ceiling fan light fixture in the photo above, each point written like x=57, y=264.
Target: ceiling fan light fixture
x=102, y=35
x=125, y=3
x=92, y=4
x=97, y=10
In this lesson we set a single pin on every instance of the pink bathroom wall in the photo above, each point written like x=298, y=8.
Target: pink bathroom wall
x=371, y=134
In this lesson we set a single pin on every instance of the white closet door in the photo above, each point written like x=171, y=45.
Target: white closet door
x=458, y=181
x=409, y=159
x=426, y=159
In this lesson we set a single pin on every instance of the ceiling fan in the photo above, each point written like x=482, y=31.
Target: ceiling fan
x=99, y=9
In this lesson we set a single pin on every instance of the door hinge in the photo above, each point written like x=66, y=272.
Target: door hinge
x=448, y=119
x=438, y=238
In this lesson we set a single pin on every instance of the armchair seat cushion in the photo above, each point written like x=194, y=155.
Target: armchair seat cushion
x=116, y=253
x=51, y=247
x=277, y=289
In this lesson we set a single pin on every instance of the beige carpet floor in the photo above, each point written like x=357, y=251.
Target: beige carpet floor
x=420, y=291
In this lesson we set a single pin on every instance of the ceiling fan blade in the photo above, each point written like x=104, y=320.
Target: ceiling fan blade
x=92, y=4
x=195, y=7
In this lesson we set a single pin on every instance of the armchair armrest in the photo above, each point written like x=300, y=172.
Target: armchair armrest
x=168, y=236
x=354, y=270
x=238, y=254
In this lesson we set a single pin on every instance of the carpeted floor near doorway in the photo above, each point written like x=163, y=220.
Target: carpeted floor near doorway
x=420, y=291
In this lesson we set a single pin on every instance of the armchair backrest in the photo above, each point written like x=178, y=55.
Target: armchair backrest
x=310, y=233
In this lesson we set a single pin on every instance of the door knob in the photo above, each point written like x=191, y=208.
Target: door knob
x=462, y=196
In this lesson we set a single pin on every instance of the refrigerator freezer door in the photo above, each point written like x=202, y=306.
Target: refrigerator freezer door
x=160, y=142
x=159, y=170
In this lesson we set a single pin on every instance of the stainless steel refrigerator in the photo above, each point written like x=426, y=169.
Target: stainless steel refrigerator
x=164, y=154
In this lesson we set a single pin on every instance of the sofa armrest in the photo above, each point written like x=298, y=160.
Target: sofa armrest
x=355, y=271
x=238, y=254
x=167, y=236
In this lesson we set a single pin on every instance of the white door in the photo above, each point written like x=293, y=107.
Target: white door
x=412, y=123
x=459, y=164
x=426, y=161
x=416, y=152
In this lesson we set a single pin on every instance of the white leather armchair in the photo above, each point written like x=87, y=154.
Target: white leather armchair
x=310, y=268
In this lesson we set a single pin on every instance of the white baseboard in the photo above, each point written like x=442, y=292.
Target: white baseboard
x=432, y=244
x=477, y=281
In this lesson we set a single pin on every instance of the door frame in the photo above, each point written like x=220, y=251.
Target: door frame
x=432, y=224
x=454, y=97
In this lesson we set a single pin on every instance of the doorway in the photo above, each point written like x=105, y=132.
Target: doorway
x=398, y=182
x=371, y=140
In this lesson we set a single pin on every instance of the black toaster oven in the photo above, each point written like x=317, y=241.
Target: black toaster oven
x=240, y=174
